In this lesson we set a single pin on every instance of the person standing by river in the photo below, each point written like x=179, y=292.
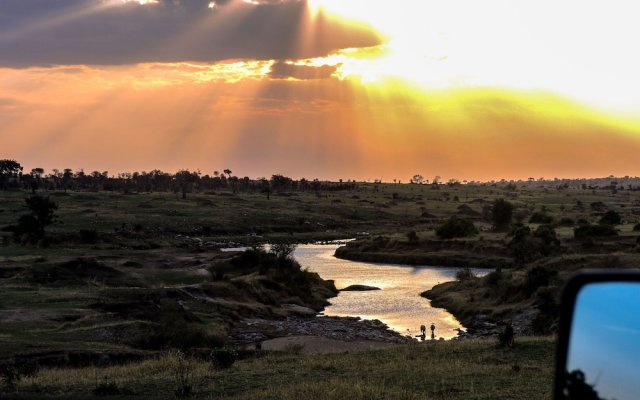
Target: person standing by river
x=433, y=331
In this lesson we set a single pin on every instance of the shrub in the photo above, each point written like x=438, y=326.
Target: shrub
x=501, y=214
x=464, y=274
x=611, y=218
x=412, y=237
x=493, y=278
x=283, y=250
x=588, y=231
x=31, y=227
x=223, y=358
x=527, y=246
x=541, y=218
x=538, y=277
x=567, y=222
x=455, y=228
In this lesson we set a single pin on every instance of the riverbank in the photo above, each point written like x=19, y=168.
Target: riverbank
x=528, y=296
x=471, y=253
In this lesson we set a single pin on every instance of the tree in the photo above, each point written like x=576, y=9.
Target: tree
x=501, y=214
x=31, y=227
x=417, y=179
x=8, y=169
x=228, y=172
x=185, y=181
x=67, y=178
x=36, y=179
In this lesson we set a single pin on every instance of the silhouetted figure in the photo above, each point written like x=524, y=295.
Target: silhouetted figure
x=576, y=387
x=423, y=332
x=433, y=331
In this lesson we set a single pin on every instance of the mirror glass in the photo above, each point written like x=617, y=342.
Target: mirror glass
x=603, y=359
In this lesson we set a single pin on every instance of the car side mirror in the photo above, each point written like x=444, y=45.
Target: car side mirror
x=598, y=355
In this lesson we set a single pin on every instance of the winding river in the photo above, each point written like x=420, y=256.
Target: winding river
x=398, y=304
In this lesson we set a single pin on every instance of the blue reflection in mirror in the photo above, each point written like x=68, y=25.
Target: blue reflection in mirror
x=603, y=360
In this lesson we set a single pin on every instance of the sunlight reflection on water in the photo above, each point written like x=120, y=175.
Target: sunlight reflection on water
x=398, y=304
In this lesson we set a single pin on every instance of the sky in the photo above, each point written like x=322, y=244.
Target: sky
x=333, y=89
x=605, y=338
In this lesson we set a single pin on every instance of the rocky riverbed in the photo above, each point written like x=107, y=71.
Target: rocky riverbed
x=348, y=329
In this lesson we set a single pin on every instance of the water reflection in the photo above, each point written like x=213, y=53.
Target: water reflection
x=398, y=304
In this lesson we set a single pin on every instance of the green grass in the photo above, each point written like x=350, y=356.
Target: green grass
x=137, y=237
x=443, y=370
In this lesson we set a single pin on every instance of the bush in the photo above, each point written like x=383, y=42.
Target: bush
x=464, y=274
x=494, y=278
x=538, y=277
x=456, y=228
x=567, y=222
x=223, y=358
x=611, y=218
x=541, y=218
x=589, y=231
x=501, y=214
x=283, y=250
x=527, y=246
x=412, y=237
x=31, y=227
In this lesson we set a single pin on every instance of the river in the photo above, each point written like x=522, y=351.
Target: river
x=398, y=304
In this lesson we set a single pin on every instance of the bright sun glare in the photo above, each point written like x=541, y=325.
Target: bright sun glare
x=578, y=49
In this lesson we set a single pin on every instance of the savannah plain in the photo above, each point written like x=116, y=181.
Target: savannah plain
x=128, y=294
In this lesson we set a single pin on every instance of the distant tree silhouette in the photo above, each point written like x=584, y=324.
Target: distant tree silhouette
x=416, y=179
x=36, y=179
x=9, y=169
x=281, y=183
x=185, y=181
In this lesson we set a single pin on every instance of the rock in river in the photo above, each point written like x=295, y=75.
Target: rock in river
x=359, y=288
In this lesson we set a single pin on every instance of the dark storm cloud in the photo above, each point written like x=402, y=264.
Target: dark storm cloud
x=45, y=32
x=282, y=70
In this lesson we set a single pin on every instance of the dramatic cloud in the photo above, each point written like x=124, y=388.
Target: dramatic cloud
x=109, y=32
x=284, y=70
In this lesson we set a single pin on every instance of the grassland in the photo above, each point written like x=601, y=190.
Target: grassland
x=442, y=370
x=149, y=277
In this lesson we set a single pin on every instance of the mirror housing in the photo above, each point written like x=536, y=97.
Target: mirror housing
x=600, y=310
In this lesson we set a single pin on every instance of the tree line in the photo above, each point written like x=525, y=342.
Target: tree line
x=14, y=177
